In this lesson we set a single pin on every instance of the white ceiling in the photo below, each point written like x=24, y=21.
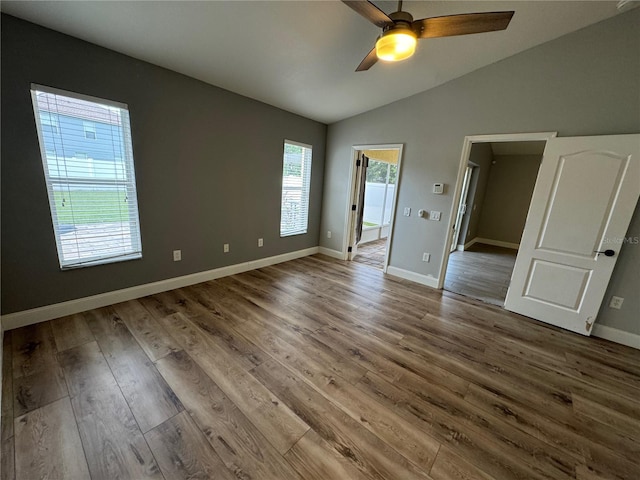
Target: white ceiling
x=301, y=55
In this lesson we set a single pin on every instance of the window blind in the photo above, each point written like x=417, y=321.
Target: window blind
x=87, y=156
x=296, y=185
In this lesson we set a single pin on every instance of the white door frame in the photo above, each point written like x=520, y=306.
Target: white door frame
x=464, y=160
x=464, y=195
x=348, y=217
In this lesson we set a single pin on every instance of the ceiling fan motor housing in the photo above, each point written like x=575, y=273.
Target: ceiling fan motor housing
x=401, y=20
x=398, y=40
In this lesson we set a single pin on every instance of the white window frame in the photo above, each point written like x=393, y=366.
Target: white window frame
x=301, y=227
x=129, y=182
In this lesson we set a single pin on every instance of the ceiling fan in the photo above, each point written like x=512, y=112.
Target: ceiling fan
x=400, y=31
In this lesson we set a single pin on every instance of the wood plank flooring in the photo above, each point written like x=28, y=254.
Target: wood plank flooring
x=315, y=369
x=372, y=253
x=482, y=272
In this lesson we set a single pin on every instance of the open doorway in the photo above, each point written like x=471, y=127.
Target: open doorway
x=498, y=177
x=372, y=206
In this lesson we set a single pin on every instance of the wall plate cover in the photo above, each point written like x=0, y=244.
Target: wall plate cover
x=438, y=188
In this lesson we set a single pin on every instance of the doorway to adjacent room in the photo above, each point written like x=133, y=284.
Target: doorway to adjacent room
x=372, y=206
x=494, y=198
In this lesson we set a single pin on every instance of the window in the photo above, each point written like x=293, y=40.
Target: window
x=91, y=185
x=49, y=123
x=296, y=184
x=89, y=130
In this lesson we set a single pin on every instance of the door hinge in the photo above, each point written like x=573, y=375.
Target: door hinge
x=349, y=249
x=353, y=207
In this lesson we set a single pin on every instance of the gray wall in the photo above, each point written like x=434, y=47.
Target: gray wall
x=208, y=165
x=508, y=196
x=480, y=158
x=585, y=83
x=625, y=283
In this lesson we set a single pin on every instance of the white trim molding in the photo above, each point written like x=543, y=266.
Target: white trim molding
x=349, y=214
x=496, y=243
x=329, y=252
x=413, y=276
x=616, y=335
x=469, y=243
x=464, y=160
x=49, y=312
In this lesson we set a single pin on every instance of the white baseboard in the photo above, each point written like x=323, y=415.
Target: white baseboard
x=331, y=253
x=495, y=243
x=413, y=276
x=615, y=335
x=49, y=312
x=468, y=244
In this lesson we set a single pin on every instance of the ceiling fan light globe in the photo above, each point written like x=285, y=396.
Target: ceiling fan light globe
x=394, y=46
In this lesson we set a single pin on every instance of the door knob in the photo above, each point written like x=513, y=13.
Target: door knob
x=607, y=253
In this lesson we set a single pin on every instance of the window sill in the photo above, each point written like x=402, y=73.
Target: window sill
x=102, y=261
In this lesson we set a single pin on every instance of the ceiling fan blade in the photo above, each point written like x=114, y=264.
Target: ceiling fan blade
x=369, y=11
x=369, y=61
x=463, y=24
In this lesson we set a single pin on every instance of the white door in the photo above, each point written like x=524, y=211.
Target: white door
x=584, y=197
x=357, y=205
x=462, y=209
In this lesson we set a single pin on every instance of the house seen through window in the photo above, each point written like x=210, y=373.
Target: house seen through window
x=296, y=185
x=88, y=167
x=89, y=130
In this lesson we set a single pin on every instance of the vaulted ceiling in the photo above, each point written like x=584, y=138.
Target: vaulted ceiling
x=301, y=55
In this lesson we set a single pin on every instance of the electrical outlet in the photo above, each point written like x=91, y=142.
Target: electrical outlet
x=426, y=257
x=177, y=255
x=616, y=302
x=260, y=242
x=328, y=233
x=225, y=248
x=433, y=215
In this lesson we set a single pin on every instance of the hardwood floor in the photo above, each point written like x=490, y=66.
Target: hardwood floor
x=482, y=272
x=315, y=369
x=372, y=253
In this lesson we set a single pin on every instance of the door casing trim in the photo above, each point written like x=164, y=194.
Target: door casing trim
x=464, y=160
x=347, y=218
